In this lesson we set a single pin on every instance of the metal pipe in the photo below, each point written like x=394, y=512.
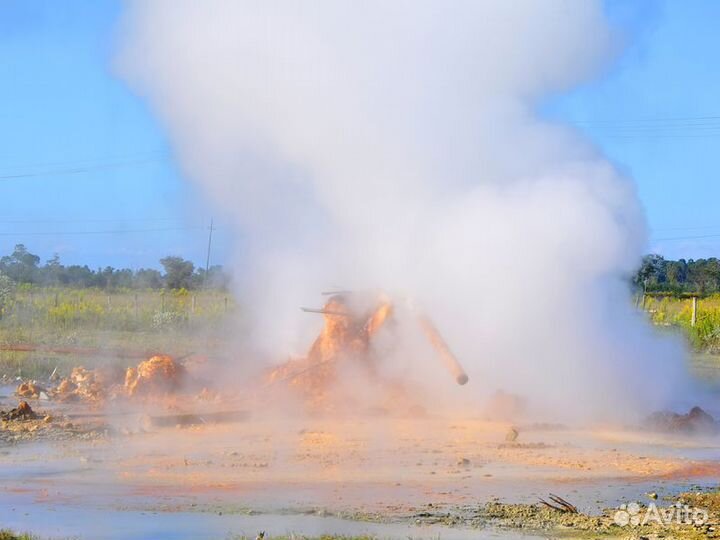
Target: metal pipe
x=446, y=355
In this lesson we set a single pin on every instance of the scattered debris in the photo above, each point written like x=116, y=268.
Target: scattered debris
x=86, y=384
x=173, y=420
x=560, y=504
x=345, y=335
x=22, y=412
x=23, y=424
x=353, y=321
x=695, y=422
x=29, y=389
x=159, y=374
x=525, y=446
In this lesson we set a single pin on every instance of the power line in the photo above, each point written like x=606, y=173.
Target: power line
x=687, y=237
x=92, y=161
x=80, y=169
x=100, y=220
x=707, y=126
x=657, y=119
x=685, y=228
x=657, y=127
x=114, y=231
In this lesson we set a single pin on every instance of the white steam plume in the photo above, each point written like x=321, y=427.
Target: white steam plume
x=396, y=145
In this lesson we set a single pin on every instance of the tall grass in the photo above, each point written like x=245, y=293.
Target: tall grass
x=677, y=312
x=177, y=322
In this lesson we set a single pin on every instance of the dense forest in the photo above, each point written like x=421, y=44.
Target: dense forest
x=658, y=274
x=23, y=267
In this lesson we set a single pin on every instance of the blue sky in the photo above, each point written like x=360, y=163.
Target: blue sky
x=86, y=170
x=64, y=110
x=656, y=115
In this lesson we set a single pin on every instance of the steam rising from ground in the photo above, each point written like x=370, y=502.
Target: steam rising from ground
x=396, y=145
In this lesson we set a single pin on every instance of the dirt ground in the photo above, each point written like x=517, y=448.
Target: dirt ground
x=430, y=471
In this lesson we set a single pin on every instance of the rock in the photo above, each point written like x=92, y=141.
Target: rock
x=29, y=390
x=652, y=495
x=158, y=374
x=22, y=412
x=695, y=422
x=512, y=434
x=463, y=462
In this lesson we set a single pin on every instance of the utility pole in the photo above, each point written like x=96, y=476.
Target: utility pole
x=207, y=260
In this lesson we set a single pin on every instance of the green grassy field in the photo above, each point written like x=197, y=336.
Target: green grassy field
x=177, y=322
x=674, y=312
x=180, y=322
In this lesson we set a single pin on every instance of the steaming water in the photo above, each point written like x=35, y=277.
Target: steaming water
x=64, y=489
x=375, y=145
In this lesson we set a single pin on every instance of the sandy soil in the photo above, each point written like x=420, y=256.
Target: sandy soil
x=431, y=470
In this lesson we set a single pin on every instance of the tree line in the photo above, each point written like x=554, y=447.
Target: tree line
x=657, y=274
x=23, y=267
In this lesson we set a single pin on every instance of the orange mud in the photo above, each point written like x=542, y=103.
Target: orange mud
x=362, y=461
x=279, y=456
x=346, y=337
x=382, y=463
x=159, y=377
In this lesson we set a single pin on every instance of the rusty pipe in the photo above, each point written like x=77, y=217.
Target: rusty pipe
x=446, y=355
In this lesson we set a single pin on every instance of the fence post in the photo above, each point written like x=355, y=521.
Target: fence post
x=693, y=318
x=136, y=307
x=192, y=305
x=226, y=304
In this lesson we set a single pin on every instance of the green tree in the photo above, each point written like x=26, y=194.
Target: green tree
x=178, y=272
x=78, y=276
x=21, y=266
x=52, y=271
x=651, y=272
x=147, y=278
x=676, y=272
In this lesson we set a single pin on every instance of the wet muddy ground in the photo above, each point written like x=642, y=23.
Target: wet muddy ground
x=114, y=476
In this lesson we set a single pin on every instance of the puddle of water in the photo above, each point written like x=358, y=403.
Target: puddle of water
x=148, y=486
x=102, y=519
x=98, y=524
